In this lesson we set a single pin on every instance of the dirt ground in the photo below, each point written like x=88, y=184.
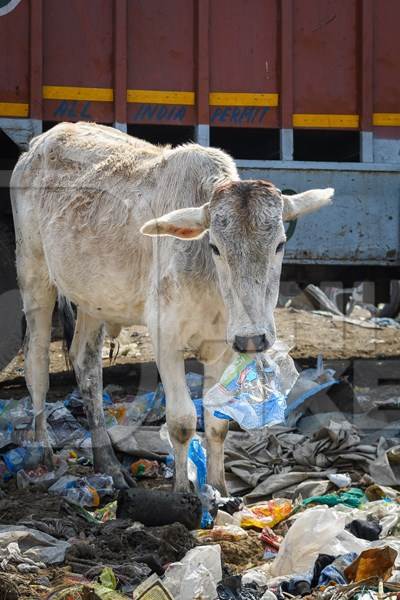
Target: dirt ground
x=311, y=333
x=308, y=334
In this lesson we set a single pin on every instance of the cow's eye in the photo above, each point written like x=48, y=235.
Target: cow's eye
x=280, y=247
x=215, y=249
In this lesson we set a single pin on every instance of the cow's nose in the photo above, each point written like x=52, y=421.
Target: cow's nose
x=253, y=343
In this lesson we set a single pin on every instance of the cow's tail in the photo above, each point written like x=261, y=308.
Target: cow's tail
x=66, y=315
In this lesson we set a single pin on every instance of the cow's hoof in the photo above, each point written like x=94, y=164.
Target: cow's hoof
x=49, y=458
x=121, y=478
x=106, y=462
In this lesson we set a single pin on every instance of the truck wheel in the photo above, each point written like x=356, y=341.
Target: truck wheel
x=392, y=308
x=11, y=316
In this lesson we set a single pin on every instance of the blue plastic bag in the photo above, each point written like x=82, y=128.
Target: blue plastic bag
x=309, y=383
x=253, y=389
x=198, y=474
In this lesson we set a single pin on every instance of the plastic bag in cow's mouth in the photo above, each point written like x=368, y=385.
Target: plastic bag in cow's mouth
x=253, y=389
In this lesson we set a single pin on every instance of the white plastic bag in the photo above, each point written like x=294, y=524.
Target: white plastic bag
x=196, y=575
x=312, y=531
x=344, y=543
x=341, y=480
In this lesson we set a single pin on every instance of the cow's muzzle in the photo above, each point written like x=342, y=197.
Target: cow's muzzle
x=253, y=343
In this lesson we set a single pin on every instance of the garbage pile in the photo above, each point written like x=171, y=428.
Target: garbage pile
x=341, y=544
x=313, y=506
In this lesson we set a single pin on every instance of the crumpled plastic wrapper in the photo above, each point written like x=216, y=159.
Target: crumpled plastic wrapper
x=253, y=388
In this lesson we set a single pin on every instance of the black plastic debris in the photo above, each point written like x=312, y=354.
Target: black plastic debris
x=159, y=507
x=231, y=588
x=365, y=530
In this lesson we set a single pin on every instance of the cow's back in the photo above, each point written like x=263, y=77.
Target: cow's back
x=73, y=192
x=87, y=189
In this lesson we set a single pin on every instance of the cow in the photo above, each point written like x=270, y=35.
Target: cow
x=134, y=233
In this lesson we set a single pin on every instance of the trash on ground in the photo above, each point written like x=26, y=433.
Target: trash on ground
x=145, y=468
x=228, y=533
x=159, y=507
x=313, y=298
x=40, y=476
x=352, y=497
x=341, y=480
x=309, y=383
x=315, y=508
x=85, y=491
x=375, y=562
x=152, y=589
x=264, y=514
x=196, y=575
x=28, y=549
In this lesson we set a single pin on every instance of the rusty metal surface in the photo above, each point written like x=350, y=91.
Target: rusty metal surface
x=14, y=55
x=78, y=43
x=386, y=64
x=244, y=56
x=387, y=56
x=78, y=51
x=185, y=62
x=325, y=56
x=317, y=58
x=161, y=57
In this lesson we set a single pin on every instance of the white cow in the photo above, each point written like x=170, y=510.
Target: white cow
x=208, y=279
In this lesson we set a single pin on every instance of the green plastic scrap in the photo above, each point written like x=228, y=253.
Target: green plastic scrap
x=353, y=497
x=108, y=579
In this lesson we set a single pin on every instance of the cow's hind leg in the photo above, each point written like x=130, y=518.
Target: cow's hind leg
x=39, y=298
x=85, y=354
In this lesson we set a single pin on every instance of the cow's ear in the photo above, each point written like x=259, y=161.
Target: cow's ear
x=300, y=204
x=185, y=223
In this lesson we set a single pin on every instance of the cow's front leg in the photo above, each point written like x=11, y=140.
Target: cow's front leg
x=181, y=415
x=215, y=429
x=180, y=410
x=85, y=354
x=181, y=421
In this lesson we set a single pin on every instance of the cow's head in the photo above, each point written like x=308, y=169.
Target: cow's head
x=247, y=239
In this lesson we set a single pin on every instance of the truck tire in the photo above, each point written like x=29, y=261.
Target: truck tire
x=11, y=315
x=392, y=308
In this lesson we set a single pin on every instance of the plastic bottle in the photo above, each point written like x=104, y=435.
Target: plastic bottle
x=34, y=455
x=85, y=491
x=14, y=459
x=38, y=476
x=84, y=496
x=27, y=457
